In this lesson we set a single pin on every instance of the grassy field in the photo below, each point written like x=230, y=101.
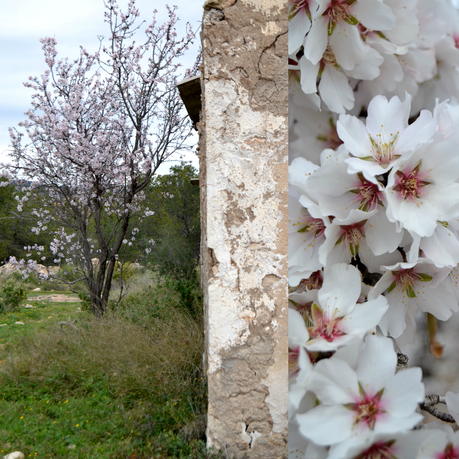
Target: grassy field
x=129, y=385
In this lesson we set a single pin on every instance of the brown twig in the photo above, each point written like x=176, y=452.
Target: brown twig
x=429, y=405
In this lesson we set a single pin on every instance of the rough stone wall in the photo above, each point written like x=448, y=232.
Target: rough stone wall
x=243, y=178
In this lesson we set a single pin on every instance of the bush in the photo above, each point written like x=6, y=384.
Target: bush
x=11, y=296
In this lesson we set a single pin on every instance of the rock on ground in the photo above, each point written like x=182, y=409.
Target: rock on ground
x=15, y=455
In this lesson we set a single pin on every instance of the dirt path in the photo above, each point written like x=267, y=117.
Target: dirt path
x=55, y=298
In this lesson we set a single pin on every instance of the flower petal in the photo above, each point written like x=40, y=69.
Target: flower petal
x=377, y=363
x=298, y=27
x=365, y=316
x=326, y=425
x=347, y=45
x=403, y=392
x=374, y=14
x=309, y=73
x=354, y=134
x=341, y=289
x=334, y=382
x=298, y=334
x=335, y=90
x=316, y=41
x=385, y=118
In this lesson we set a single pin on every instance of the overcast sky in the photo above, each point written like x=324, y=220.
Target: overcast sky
x=72, y=23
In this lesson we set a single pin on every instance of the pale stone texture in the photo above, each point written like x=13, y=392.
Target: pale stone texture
x=243, y=179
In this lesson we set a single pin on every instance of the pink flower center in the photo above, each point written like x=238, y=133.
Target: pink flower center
x=409, y=185
x=338, y=10
x=293, y=368
x=328, y=328
x=450, y=452
x=351, y=235
x=328, y=58
x=368, y=194
x=315, y=226
x=379, y=450
x=407, y=279
x=367, y=409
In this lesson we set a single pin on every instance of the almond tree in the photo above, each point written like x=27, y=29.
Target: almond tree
x=98, y=130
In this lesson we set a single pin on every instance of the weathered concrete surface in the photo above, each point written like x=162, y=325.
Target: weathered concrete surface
x=243, y=178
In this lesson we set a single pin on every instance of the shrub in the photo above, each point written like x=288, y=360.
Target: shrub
x=11, y=296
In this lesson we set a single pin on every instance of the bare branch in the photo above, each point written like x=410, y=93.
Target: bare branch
x=429, y=405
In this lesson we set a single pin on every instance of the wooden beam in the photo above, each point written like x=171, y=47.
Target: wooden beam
x=190, y=92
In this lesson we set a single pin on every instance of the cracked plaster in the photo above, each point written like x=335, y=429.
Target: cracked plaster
x=243, y=178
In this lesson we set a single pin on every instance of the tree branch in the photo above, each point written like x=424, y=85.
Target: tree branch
x=429, y=405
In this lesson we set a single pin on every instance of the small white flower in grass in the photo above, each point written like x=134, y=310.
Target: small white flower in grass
x=410, y=288
x=372, y=398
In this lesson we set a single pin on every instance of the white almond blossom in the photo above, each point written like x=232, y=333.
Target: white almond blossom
x=371, y=398
x=386, y=137
x=336, y=318
x=374, y=222
x=404, y=445
x=335, y=26
x=357, y=235
x=410, y=288
x=423, y=187
x=441, y=444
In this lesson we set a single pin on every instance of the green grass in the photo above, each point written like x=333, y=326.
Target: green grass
x=129, y=385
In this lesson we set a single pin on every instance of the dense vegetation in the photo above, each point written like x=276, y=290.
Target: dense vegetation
x=128, y=385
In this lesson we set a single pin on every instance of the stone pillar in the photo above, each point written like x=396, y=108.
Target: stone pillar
x=243, y=178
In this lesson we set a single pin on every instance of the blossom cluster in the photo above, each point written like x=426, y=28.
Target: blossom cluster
x=373, y=222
